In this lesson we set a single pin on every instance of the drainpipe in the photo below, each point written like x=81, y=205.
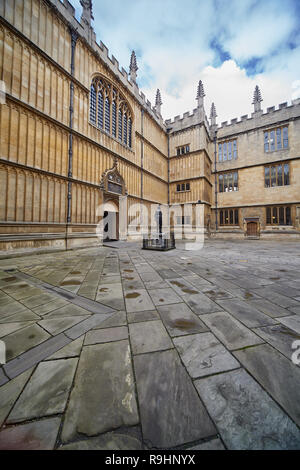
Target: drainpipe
x=216, y=187
x=74, y=37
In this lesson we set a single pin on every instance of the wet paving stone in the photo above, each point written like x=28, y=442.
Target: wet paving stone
x=138, y=301
x=180, y=320
x=103, y=397
x=176, y=415
x=204, y=355
x=110, y=441
x=38, y=435
x=46, y=392
x=232, y=333
x=280, y=337
x=54, y=326
x=72, y=349
x=246, y=314
x=9, y=393
x=106, y=335
x=292, y=322
x=137, y=317
x=164, y=296
x=213, y=444
x=269, y=308
x=277, y=374
x=23, y=340
x=201, y=304
x=246, y=416
x=149, y=336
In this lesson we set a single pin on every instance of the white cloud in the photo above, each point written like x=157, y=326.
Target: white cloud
x=173, y=41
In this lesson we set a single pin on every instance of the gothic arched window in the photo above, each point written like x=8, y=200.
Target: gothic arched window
x=93, y=105
x=100, y=109
x=110, y=112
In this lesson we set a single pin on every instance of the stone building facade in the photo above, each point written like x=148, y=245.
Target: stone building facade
x=80, y=142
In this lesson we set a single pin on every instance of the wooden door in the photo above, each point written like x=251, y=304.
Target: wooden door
x=252, y=229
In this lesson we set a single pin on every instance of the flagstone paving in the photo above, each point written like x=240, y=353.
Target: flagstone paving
x=124, y=349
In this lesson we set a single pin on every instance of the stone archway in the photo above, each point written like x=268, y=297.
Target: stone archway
x=114, y=211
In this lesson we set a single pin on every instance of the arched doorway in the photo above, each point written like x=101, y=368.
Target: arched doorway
x=114, y=208
x=111, y=221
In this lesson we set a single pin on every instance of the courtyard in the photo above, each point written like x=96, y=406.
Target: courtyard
x=117, y=348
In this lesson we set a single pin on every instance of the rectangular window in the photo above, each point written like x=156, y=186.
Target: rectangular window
x=220, y=152
x=187, y=149
x=279, y=175
x=178, y=187
x=286, y=174
x=267, y=176
x=273, y=176
x=235, y=175
x=187, y=186
x=225, y=151
x=278, y=215
x=285, y=137
x=221, y=218
x=229, y=150
x=228, y=182
x=178, y=151
x=266, y=141
x=225, y=183
x=272, y=141
x=278, y=137
x=226, y=217
x=235, y=149
x=183, y=187
x=236, y=217
x=221, y=183
x=231, y=217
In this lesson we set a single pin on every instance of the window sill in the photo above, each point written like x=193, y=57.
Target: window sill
x=278, y=150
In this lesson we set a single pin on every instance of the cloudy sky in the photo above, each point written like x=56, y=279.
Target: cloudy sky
x=231, y=45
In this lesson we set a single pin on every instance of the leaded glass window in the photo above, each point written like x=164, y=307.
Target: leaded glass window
x=100, y=110
x=93, y=104
x=107, y=115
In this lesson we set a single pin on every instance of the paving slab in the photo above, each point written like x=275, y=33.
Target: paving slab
x=276, y=298
x=103, y=397
x=110, y=441
x=111, y=295
x=10, y=392
x=203, y=355
x=277, y=374
x=280, y=337
x=232, y=333
x=35, y=355
x=138, y=301
x=292, y=322
x=69, y=310
x=23, y=315
x=72, y=349
x=85, y=325
x=106, y=335
x=180, y=320
x=117, y=319
x=164, y=296
x=245, y=313
x=38, y=435
x=54, y=326
x=171, y=412
x=182, y=286
x=22, y=340
x=47, y=391
x=137, y=317
x=269, y=308
x=38, y=300
x=245, y=415
x=213, y=444
x=201, y=304
x=50, y=306
x=7, y=328
x=149, y=336
x=3, y=378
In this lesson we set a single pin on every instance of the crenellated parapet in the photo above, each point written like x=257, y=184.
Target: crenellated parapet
x=283, y=112
x=86, y=32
